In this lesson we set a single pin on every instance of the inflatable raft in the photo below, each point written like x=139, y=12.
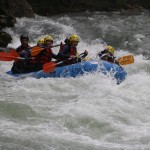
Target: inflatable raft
x=79, y=69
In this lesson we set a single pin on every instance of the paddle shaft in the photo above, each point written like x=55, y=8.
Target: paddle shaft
x=56, y=45
x=2, y=49
x=49, y=67
x=80, y=56
x=8, y=48
x=61, y=62
x=40, y=48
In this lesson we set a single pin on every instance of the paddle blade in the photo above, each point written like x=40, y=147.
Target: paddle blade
x=125, y=60
x=14, y=53
x=49, y=67
x=36, y=50
x=4, y=56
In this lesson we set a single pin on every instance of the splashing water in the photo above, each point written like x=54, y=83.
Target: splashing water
x=89, y=112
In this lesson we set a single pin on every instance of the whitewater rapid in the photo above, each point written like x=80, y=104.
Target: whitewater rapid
x=90, y=112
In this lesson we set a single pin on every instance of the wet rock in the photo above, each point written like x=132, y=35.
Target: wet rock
x=16, y=8
x=9, y=9
x=47, y=7
x=7, y=21
x=51, y=7
x=5, y=38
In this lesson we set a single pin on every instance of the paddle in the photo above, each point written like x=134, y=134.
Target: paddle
x=13, y=52
x=2, y=49
x=49, y=67
x=125, y=60
x=9, y=50
x=37, y=49
x=4, y=56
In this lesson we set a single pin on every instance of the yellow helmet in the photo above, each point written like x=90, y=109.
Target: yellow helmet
x=74, y=38
x=40, y=41
x=48, y=38
x=110, y=49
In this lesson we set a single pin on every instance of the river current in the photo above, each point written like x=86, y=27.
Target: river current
x=90, y=112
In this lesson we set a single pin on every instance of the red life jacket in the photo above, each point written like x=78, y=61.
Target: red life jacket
x=33, y=60
x=73, y=51
x=45, y=56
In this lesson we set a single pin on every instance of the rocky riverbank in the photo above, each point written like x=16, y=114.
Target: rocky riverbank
x=51, y=7
x=9, y=9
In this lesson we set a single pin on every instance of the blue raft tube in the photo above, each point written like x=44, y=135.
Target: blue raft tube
x=79, y=69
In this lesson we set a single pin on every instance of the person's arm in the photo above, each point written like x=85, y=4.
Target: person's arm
x=54, y=56
x=26, y=53
x=101, y=54
x=65, y=52
x=85, y=53
x=18, y=49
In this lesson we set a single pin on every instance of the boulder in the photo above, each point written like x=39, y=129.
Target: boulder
x=7, y=21
x=51, y=7
x=9, y=9
x=5, y=38
x=16, y=8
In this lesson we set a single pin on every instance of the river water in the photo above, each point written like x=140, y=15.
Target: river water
x=90, y=112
